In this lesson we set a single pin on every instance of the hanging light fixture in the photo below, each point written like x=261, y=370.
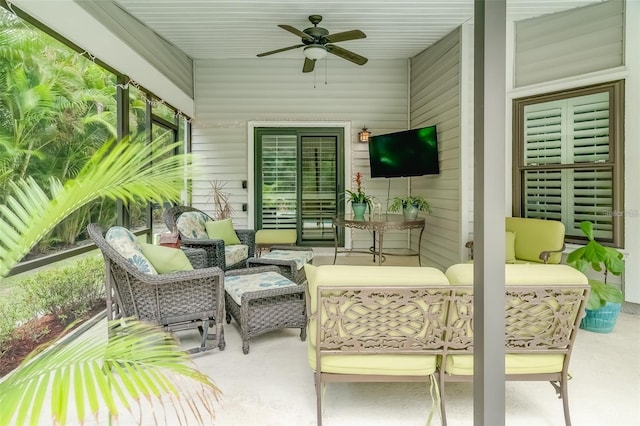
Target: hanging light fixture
x=315, y=51
x=363, y=136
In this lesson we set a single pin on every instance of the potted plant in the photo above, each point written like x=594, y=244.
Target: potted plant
x=411, y=205
x=605, y=301
x=359, y=200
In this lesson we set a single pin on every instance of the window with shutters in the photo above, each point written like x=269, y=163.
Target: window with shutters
x=568, y=159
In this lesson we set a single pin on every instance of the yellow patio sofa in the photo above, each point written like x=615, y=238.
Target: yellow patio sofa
x=379, y=324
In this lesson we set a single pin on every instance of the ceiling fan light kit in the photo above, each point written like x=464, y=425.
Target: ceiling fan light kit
x=315, y=52
x=317, y=42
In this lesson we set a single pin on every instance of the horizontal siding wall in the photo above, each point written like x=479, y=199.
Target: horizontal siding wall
x=569, y=43
x=231, y=93
x=435, y=100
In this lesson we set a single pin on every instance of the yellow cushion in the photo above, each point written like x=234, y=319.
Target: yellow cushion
x=276, y=236
x=522, y=274
x=382, y=364
x=166, y=259
x=536, y=236
x=510, y=246
x=354, y=276
x=222, y=230
x=514, y=364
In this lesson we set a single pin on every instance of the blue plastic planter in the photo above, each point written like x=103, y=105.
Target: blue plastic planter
x=601, y=320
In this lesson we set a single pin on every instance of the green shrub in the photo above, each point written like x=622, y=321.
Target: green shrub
x=66, y=292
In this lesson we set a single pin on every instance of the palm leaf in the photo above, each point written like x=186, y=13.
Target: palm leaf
x=137, y=361
x=131, y=171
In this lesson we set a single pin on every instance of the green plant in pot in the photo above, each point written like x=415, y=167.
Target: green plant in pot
x=605, y=300
x=410, y=205
x=358, y=199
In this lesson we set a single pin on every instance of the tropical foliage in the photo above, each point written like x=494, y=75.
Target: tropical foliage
x=138, y=364
x=130, y=362
x=601, y=259
x=56, y=110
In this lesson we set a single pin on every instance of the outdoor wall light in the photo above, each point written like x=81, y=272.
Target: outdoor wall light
x=363, y=136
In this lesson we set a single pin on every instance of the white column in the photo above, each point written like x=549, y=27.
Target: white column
x=489, y=202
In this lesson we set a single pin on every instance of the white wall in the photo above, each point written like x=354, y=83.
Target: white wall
x=435, y=99
x=231, y=93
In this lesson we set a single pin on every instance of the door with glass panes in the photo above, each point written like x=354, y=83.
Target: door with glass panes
x=299, y=180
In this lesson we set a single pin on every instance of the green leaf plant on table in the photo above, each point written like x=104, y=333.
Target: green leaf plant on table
x=410, y=205
x=606, y=260
x=101, y=373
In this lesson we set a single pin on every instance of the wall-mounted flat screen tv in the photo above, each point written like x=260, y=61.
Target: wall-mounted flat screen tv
x=406, y=153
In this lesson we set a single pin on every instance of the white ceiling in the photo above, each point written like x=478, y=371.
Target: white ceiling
x=219, y=29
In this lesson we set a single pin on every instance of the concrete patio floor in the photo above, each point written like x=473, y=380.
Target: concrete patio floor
x=273, y=384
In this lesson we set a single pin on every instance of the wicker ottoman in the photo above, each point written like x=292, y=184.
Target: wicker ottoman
x=261, y=300
x=290, y=260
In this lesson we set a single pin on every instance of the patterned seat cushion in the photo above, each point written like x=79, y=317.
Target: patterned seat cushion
x=191, y=225
x=300, y=257
x=235, y=253
x=125, y=243
x=237, y=285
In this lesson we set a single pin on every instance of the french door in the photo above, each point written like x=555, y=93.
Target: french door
x=299, y=181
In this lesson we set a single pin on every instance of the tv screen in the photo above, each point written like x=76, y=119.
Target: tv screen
x=407, y=153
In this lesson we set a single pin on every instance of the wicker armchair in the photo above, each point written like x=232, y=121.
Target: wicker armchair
x=176, y=301
x=214, y=248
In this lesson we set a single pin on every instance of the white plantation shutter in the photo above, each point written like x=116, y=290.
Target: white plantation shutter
x=569, y=132
x=319, y=182
x=543, y=134
x=279, y=181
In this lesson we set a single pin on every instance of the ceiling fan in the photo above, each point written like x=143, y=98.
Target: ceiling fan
x=317, y=42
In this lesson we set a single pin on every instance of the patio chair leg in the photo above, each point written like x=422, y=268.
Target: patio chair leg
x=565, y=401
x=443, y=414
x=245, y=346
x=318, y=399
x=221, y=342
x=204, y=331
x=303, y=333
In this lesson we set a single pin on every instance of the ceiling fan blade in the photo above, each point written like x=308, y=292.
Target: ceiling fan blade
x=344, y=36
x=284, y=49
x=308, y=65
x=297, y=32
x=346, y=54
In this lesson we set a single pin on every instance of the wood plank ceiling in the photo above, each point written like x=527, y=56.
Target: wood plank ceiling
x=219, y=29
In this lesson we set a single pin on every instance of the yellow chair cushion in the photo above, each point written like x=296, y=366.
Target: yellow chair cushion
x=380, y=364
x=522, y=274
x=362, y=276
x=222, y=230
x=276, y=236
x=166, y=259
x=514, y=364
x=535, y=236
x=510, y=246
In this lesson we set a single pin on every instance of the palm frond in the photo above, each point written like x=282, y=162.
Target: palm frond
x=131, y=171
x=138, y=362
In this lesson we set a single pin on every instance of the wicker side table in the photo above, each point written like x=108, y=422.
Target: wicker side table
x=263, y=310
